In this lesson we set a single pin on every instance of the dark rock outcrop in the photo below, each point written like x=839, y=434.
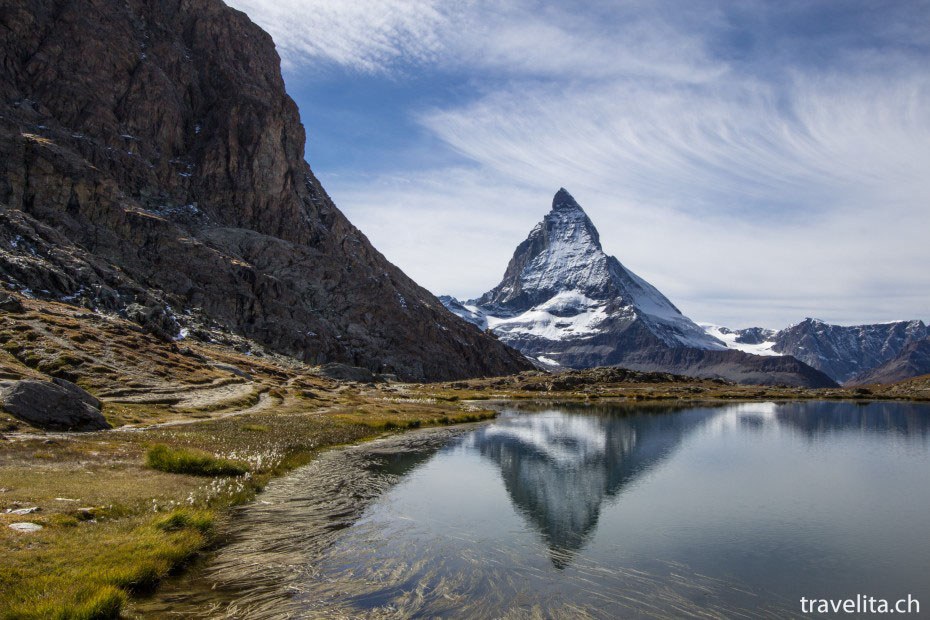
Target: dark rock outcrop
x=753, y=335
x=58, y=405
x=149, y=150
x=9, y=303
x=155, y=319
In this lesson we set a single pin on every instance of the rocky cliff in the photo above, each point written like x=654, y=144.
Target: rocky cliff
x=149, y=155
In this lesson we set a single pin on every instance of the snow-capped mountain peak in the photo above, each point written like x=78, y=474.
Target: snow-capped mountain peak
x=560, y=287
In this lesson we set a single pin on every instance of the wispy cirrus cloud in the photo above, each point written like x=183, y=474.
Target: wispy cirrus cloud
x=360, y=35
x=759, y=162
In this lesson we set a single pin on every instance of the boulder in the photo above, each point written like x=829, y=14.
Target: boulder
x=23, y=511
x=79, y=393
x=59, y=405
x=155, y=319
x=344, y=372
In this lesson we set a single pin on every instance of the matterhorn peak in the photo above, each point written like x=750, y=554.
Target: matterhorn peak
x=563, y=201
x=568, y=224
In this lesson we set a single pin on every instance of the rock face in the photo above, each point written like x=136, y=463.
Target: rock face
x=912, y=361
x=60, y=406
x=150, y=155
x=567, y=304
x=736, y=366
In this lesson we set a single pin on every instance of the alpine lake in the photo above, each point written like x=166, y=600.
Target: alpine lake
x=588, y=511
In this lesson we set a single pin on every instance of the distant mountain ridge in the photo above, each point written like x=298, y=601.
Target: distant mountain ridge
x=845, y=353
x=565, y=303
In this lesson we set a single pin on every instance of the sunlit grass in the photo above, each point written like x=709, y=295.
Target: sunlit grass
x=87, y=570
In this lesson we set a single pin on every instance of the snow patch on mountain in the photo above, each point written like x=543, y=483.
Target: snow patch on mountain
x=470, y=313
x=566, y=315
x=573, y=258
x=732, y=339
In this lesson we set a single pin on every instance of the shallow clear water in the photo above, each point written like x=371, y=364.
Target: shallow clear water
x=601, y=511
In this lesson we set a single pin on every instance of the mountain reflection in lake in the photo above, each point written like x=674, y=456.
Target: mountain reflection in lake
x=559, y=467
x=590, y=511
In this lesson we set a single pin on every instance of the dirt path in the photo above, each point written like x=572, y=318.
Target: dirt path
x=265, y=401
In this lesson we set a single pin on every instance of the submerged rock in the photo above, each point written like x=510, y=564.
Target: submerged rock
x=58, y=405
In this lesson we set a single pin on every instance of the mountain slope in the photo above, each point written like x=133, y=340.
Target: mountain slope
x=565, y=303
x=912, y=361
x=150, y=155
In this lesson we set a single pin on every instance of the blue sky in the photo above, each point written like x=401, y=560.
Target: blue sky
x=759, y=162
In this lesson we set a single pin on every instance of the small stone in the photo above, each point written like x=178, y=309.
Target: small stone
x=24, y=511
x=25, y=526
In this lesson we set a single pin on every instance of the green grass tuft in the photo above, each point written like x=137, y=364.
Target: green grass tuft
x=256, y=428
x=192, y=462
x=183, y=518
